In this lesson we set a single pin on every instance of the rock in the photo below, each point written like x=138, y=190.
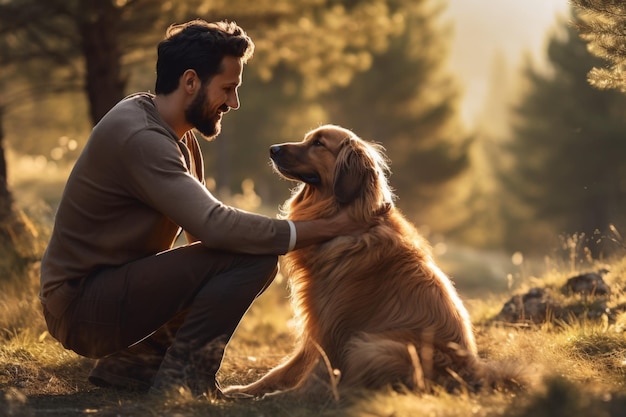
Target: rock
x=590, y=283
x=534, y=307
x=541, y=305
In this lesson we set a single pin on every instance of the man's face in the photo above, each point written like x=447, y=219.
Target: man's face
x=217, y=97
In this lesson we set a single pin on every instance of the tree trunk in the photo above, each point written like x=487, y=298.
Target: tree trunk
x=6, y=200
x=595, y=224
x=104, y=81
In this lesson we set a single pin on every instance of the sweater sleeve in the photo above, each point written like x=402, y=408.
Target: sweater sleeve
x=158, y=175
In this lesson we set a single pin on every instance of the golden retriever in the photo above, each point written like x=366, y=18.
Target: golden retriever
x=372, y=310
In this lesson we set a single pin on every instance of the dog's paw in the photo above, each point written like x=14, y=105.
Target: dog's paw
x=239, y=395
x=240, y=392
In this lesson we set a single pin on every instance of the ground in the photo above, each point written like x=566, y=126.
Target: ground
x=576, y=367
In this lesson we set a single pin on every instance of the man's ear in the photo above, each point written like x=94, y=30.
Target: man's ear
x=189, y=80
x=351, y=172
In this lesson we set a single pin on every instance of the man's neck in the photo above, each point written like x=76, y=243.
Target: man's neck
x=171, y=109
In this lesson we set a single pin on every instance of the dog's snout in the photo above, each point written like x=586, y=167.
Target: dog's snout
x=275, y=149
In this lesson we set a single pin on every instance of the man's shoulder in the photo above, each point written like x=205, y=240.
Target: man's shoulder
x=130, y=117
x=134, y=109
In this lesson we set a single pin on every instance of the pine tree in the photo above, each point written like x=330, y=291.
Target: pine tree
x=602, y=25
x=316, y=44
x=483, y=226
x=383, y=79
x=568, y=177
x=408, y=103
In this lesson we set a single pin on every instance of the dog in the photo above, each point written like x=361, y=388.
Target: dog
x=372, y=310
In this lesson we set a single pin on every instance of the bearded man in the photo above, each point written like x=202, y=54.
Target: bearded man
x=114, y=286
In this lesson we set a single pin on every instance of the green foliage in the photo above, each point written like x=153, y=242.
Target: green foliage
x=407, y=102
x=99, y=44
x=401, y=98
x=568, y=175
x=602, y=27
x=372, y=64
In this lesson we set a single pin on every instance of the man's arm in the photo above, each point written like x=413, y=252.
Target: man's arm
x=310, y=232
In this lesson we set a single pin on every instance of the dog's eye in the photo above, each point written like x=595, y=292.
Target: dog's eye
x=317, y=142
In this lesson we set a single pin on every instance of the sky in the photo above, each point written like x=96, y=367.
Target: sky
x=484, y=28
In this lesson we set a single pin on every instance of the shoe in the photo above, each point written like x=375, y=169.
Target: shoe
x=194, y=372
x=125, y=371
x=173, y=373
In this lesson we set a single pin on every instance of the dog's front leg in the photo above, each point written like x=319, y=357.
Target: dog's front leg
x=284, y=377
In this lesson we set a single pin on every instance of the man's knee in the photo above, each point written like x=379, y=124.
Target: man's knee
x=245, y=278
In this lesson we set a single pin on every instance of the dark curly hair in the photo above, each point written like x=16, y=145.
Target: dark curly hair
x=200, y=46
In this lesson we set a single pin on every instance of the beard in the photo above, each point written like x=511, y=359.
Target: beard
x=195, y=114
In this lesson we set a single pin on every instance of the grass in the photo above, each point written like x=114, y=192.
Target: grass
x=575, y=369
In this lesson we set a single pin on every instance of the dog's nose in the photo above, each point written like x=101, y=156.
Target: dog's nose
x=275, y=149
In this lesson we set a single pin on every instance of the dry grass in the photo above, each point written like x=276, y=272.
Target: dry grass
x=575, y=369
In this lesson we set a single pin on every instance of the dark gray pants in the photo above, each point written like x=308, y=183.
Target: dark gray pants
x=191, y=293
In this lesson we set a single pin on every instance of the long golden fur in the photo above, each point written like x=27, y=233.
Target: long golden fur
x=374, y=307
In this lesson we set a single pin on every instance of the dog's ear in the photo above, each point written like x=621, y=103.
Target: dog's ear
x=352, y=170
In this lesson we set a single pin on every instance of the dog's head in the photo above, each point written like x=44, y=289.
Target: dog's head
x=335, y=166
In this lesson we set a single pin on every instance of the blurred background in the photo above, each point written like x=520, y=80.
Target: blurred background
x=502, y=153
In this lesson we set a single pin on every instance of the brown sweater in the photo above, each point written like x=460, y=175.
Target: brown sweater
x=133, y=189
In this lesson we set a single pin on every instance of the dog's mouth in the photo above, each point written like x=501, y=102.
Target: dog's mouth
x=311, y=178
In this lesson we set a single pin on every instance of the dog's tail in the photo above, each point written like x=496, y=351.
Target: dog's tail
x=373, y=361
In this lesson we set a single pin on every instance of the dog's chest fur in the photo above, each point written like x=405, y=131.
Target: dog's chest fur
x=334, y=283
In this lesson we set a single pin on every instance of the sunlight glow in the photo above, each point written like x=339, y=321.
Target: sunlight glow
x=517, y=258
x=482, y=29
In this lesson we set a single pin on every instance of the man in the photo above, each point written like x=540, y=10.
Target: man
x=112, y=285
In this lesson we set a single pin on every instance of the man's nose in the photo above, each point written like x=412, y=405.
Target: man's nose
x=233, y=101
